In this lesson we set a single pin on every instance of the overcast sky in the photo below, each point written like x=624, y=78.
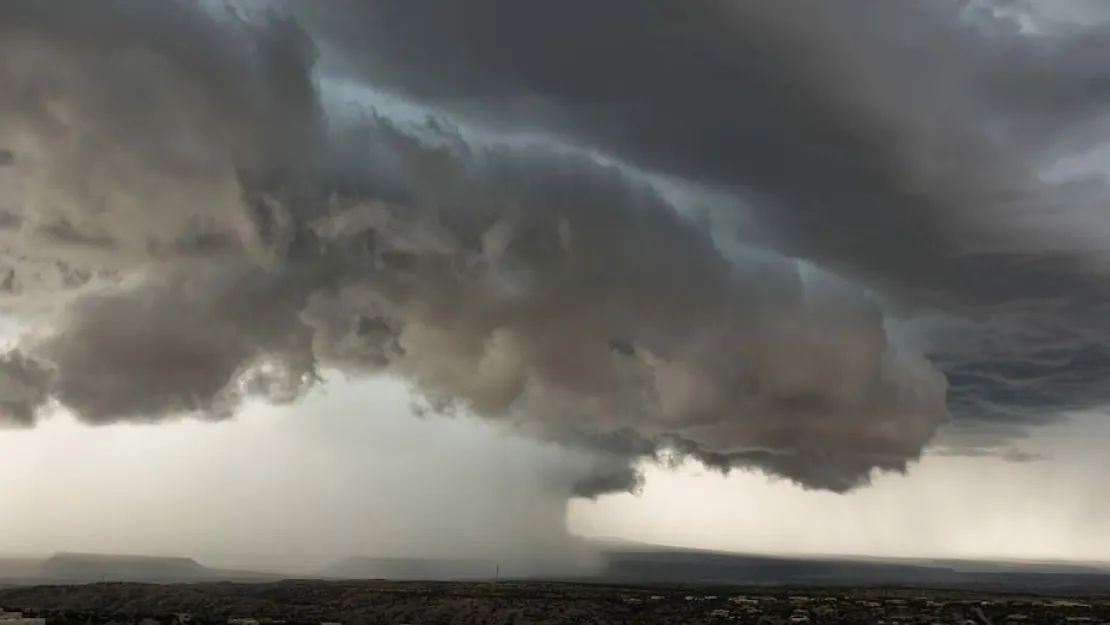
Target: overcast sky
x=858, y=256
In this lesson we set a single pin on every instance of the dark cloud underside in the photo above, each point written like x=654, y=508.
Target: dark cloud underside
x=896, y=142
x=240, y=235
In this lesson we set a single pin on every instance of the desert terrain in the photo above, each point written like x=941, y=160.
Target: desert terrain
x=528, y=603
x=636, y=585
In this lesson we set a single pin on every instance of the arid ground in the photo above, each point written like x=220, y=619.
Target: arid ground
x=395, y=603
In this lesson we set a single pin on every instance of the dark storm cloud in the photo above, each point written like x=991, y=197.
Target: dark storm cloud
x=498, y=286
x=496, y=279
x=850, y=122
x=245, y=237
x=899, y=143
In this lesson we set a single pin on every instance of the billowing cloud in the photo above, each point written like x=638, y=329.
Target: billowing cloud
x=240, y=231
x=912, y=146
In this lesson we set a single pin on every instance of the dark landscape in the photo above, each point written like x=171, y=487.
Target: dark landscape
x=637, y=584
x=625, y=564
x=532, y=602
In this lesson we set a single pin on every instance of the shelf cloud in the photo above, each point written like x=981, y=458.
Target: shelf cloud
x=192, y=216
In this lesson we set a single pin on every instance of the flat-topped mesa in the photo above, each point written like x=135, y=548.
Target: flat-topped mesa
x=97, y=567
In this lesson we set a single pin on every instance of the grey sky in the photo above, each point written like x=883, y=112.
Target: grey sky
x=348, y=472
x=352, y=472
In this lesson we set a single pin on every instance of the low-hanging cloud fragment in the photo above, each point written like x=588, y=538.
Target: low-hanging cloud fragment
x=244, y=239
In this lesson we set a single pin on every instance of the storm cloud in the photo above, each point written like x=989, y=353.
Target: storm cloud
x=866, y=247
x=910, y=146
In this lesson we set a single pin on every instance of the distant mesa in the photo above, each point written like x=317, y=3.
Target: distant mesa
x=616, y=562
x=81, y=568
x=425, y=569
x=96, y=567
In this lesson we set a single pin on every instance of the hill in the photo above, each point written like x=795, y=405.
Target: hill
x=645, y=564
x=669, y=566
x=80, y=568
x=619, y=564
x=97, y=567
